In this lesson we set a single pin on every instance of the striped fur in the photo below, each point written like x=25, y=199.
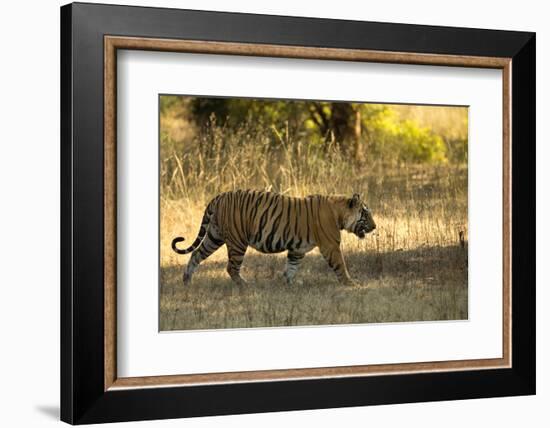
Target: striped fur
x=273, y=223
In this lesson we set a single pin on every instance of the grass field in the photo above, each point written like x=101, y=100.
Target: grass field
x=414, y=267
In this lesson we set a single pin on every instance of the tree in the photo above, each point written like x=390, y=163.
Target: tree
x=357, y=130
x=339, y=123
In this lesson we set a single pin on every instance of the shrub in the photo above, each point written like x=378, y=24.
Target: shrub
x=403, y=141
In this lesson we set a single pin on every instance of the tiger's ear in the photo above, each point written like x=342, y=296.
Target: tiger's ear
x=354, y=201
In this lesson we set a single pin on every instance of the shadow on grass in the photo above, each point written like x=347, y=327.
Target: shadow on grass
x=424, y=284
x=430, y=263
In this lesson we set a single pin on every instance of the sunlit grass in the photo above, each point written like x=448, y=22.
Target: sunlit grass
x=412, y=268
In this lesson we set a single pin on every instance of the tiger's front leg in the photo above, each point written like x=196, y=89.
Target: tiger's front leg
x=292, y=263
x=335, y=259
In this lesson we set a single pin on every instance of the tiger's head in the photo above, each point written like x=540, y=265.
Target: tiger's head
x=358, y=219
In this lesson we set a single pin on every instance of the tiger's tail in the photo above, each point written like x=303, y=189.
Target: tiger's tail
x=200, y=237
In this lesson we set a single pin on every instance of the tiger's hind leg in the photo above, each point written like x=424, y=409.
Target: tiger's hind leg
x=292, y=263
x=210, y=244
x=235, y=255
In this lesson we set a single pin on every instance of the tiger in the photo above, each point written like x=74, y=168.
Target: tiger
x=272, y=223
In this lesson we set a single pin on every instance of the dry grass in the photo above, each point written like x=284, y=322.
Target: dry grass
x=413, y=268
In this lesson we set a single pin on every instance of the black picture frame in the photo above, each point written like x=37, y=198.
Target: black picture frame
x=83, y=398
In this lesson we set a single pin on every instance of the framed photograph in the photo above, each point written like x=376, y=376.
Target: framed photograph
x=266, y=213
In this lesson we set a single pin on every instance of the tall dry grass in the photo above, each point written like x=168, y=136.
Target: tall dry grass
x=414, y=267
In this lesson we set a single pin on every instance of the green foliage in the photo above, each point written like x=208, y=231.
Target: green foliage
x=363, y=133
x=404, y=140
x=168, y=102
x=233, y=113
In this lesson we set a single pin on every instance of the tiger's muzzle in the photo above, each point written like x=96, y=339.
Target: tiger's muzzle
x=362, y=228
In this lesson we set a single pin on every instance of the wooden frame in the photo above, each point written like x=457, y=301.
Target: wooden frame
x=512, y=52
x=112, y=43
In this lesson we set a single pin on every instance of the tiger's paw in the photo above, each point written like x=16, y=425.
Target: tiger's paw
x=350, y=282
x=186, y=279
x=294, y=282
x=239, y=281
